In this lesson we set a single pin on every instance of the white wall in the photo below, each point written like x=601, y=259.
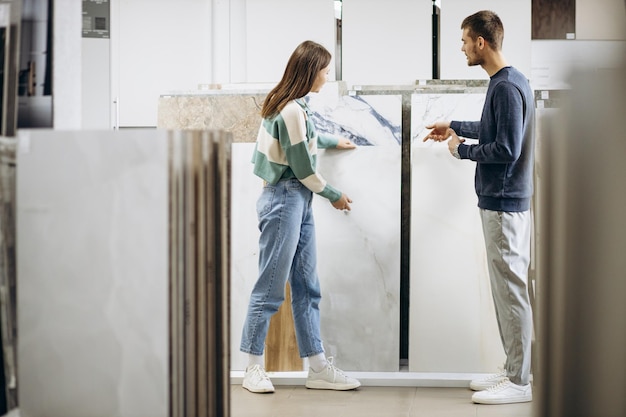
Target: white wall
x=386, y=42
x=159, y=46
x=516, y=18
x=237, y=42
x=162, y=46
x=275, y=27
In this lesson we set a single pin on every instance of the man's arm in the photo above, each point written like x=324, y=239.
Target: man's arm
x=504, y=144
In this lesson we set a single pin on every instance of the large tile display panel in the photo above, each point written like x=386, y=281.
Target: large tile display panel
x=359, y=258
x=364, y=119
x=358, y=255
x=92, y=273
x=452, y=319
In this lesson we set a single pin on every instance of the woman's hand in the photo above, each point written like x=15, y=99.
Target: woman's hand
x=343, y=203
x=345, y=144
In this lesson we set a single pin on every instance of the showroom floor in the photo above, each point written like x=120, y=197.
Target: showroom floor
x=368, y=401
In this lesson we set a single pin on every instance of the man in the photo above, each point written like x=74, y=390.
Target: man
x=503, y=182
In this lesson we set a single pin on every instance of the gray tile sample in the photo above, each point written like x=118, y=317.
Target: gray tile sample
x=93, y=273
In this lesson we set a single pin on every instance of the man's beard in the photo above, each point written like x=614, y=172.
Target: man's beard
x=475, y=59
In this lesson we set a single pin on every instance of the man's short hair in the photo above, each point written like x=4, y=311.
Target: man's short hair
x=486, y=24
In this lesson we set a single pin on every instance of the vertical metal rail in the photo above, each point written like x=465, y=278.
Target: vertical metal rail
x=436, y=25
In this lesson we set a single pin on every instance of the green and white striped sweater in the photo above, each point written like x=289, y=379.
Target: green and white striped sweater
x=286, y=147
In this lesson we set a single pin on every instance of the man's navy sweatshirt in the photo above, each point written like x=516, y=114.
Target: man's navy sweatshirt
x=504, y=154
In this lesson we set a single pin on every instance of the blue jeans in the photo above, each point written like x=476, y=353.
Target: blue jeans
x=287, y=251
x=507, y=238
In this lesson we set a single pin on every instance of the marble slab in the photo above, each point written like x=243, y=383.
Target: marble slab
x=429, y=108
x=364, y=119
x=358, y=255
x=452, y=319
x=234, y=112
x=92, y=252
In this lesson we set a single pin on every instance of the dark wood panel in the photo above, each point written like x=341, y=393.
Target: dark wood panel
x=553, y=19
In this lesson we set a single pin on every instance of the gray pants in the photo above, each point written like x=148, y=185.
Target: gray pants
x=507, y=238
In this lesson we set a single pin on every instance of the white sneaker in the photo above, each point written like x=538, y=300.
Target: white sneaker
x=330, y=378
x=504, y=392
x=488, y=382
x=256, y=380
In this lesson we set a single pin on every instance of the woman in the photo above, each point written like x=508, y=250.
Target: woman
x=285, y=158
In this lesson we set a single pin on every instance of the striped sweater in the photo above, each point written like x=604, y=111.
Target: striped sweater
x=286, y=147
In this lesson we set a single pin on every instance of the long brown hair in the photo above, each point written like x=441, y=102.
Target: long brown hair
x=486, y=24
x=306, y=61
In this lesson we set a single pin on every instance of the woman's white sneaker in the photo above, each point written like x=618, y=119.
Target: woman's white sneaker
x=504, y=392
x=330, y=378
x=256, y=380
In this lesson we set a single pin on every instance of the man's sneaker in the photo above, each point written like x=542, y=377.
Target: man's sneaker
x=256, y=380
x=504, y=392
x=330, y=378
x=487, y=382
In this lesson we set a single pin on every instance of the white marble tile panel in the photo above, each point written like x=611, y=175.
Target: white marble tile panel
x=364, y=119
x=452, y=320
x=429, y=108
x=359, y=258
x=92, y=273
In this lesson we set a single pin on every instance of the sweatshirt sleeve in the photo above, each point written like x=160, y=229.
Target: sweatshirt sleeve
x=326, y=141
x=503, y=139
x=466, y=129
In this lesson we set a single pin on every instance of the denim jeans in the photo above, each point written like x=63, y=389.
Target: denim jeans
x=507, y=239
x=287, y=251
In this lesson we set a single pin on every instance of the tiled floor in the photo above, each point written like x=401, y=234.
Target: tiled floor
x=290, y=401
